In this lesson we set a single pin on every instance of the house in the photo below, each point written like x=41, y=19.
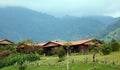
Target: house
x=51, y=46
x=28, y=48
x=83, y=45
x=76, y=46
x=6, y=42
x=48, y=47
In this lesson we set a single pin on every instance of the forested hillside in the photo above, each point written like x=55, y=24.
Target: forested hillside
x=20, y=23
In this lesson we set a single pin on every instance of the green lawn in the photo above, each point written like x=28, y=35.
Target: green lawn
x=77, y=62
x=114, y=56
x=76, y=66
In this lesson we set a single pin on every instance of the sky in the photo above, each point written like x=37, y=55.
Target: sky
x=61, y=8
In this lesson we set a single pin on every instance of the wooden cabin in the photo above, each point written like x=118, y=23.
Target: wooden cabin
x=75, y=46
x=51, y=46
x=83, y=45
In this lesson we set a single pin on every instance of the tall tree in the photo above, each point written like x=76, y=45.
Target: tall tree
x=95, y=45
x=67, y=46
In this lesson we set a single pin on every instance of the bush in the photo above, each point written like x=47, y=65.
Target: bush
x=41, y=52
x=4, y=54
x=61, y=52
x=19, y=59
x=6, y=50
x=105, y=49
x=115, y=46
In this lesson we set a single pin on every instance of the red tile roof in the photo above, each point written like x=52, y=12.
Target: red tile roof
x=57, y=42
x=41, y=44
x=53, y=42
x=81, y=42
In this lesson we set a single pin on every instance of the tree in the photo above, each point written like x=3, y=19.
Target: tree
x=95, y=49
x=67, y=46
x=26, y=57
x=61, y=54
x=105, y=49
x=25, y=41
x=113, y=40
x=115, y=46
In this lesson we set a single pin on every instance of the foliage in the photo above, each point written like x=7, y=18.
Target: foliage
x=4, y=54
x=41, y=51
x=11, y=48
x=111, y=31
x=113, y=36
x=67, y=45
x=18, y=58
x=6, y=50
x=115, y=46
x=61, y=52
x=8, y=47
x=25, y=41
x=105, y=49
x=91, y=48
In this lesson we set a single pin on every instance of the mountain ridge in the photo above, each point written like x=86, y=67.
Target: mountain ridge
x=21, y=23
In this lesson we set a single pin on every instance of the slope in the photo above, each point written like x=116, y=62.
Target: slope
x=18, y=24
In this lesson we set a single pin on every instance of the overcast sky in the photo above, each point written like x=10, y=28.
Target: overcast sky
x=69, y=7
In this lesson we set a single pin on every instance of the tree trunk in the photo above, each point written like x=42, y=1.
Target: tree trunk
x=67, y=59
x=94, y=61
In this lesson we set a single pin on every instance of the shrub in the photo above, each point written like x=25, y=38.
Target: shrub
x=6, y=50
x=4, y=54
x=19, y=59
x=24, y=41
x=91, y=48
x=115, y=46
x=41, y=51
x=11, y=48
x=105, y=49
x=61, y=52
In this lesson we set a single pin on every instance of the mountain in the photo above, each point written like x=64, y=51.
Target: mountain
x=111, y=32
x=104, y=19
x=108, y=29
x=18, y=24
x=114, y=35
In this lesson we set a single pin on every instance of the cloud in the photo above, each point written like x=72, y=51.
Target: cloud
x=69, y=7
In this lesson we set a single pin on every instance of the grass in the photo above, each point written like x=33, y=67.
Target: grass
x=114, y=56
x=77, y=62
x=75, y=66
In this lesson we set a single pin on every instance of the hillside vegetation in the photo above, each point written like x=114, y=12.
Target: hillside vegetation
x=114, y=35
x=110, y=32
x=19, y=24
